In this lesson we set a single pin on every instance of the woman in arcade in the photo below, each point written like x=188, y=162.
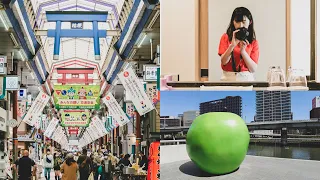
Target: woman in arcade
x=238, y=48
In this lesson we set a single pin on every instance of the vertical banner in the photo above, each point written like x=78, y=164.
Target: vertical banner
x=51, y=128
x=134, y=87
x=36, y=108
x=115, y=109
x=99, y=124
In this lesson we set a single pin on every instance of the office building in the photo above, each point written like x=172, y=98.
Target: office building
x=229, y=104
x=189, y=116
x=180, y=116
x=273, y=106
x=316, y=102
x=169, y=121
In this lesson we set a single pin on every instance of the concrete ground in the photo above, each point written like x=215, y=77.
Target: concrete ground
x=175, y=164
x=252, y=168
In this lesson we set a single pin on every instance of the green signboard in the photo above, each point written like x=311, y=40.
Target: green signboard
x=77, y=96
x=75, y=118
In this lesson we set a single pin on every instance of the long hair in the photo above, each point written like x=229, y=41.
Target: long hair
x=238, y=15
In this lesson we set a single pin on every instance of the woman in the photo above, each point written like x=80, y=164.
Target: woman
x=239, y=58
x=57, y=163
x=69, y=168
x=98, y=168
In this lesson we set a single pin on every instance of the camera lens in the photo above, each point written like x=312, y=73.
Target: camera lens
x=242, y=34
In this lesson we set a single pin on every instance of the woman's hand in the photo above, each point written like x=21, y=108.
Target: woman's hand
x=243, y=46
x=235, y=41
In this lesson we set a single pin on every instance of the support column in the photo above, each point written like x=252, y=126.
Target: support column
x=15, y=130
x=96, y=42
x=284, y=136
x=203, y=40
x=138, y=133
x=56, y=50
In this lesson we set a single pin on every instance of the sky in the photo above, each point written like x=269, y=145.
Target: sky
x=176, y=102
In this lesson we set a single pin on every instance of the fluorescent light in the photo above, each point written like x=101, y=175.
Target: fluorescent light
x=144, y=37
x=23, y=59
x=14, y=39
x=32, y=75
x=132, y=54
x=4, y=22
x=28, y=66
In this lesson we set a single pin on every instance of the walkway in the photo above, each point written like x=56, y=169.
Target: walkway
x=253, y=168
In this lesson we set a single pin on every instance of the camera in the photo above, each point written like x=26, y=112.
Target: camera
x=242, y=34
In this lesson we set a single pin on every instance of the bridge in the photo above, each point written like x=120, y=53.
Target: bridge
x=284, y=126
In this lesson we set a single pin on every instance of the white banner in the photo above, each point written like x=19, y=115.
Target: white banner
x=99, y=125
x=115, y=109
x=36, y=108
x=51, y=128
x=134, y=87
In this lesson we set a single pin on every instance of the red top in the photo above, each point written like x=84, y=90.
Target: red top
x=252, y=49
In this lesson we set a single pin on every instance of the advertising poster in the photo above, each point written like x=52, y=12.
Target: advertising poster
x=115, y=109
x=3, y=62
x=77, y=96
x=152, y=91
x=78, y=118
x=22, y=109
x=36, y=108
x=134, y=87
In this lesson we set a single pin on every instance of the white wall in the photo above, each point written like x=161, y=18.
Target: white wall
x=180, y=153
x=178, y=38
x=300, y=35
x=270, y=26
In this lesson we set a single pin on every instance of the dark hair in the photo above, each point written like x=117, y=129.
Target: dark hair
x=238, y=15
x=69, y=161
x=84, y=151
x=127, y=156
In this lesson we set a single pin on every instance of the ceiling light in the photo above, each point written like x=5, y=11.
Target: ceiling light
x=144, y=37
x=28, y=66
x=132, y=54
x=4, y=22
x=14, y=39
x=22, y=56
x=32, y=75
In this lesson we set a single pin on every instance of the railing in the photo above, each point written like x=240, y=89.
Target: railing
x=172, y=142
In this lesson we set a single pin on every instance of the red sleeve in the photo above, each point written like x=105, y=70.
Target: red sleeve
x=255, y=52
x=224, y=44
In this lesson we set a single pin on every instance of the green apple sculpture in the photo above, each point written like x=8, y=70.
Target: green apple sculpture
x=218, y=142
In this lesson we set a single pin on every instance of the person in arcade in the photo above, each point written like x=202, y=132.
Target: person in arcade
x=239, y=48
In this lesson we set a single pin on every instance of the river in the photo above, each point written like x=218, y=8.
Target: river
x=307, y=153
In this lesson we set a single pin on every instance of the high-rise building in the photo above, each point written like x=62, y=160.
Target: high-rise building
x=273, y=106
x=316, y=102
x=231, y=104
x=169, y=121
x=180, y=116
x=189, y=116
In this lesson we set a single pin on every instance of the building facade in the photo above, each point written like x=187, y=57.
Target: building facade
x=231, y=104
x=316, y=102
x=189, y=117
x=169, y=121
x=273, y=106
